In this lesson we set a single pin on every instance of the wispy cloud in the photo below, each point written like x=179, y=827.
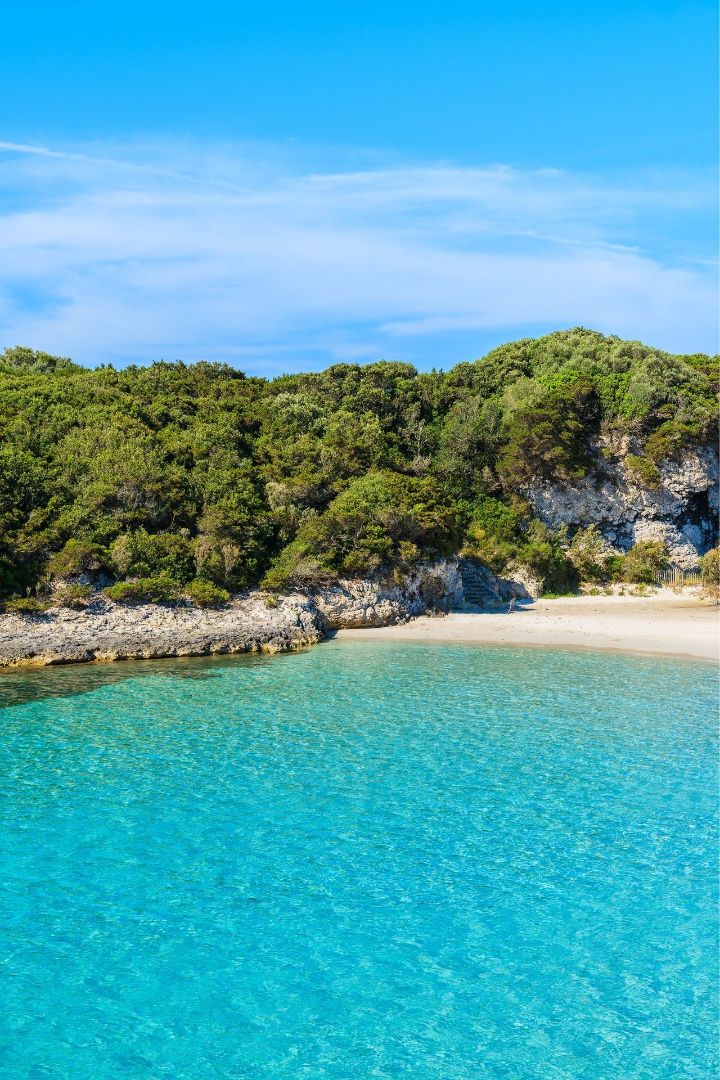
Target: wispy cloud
x=252, y=254
x=41, y=151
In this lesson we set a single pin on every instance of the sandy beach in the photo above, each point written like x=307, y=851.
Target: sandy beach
x=663, y=624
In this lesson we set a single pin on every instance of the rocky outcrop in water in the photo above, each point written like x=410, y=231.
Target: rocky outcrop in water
x=680, y=508
x=253, y=622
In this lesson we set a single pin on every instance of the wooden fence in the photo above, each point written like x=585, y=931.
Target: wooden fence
x=674, y=576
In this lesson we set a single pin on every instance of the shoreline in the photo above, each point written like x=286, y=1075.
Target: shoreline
x=665, y=624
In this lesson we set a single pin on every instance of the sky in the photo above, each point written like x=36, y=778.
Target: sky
x=284, y=186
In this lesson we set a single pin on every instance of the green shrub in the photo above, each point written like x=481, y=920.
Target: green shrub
x=710, y=567
x=543, y=554
x=710, y=573
x=494, y=532
x=497, y=554
x=643, y=561
x=408, y=553
x=644, y=470
x=143, y=590
x=25, y=605
x=491, y=516
x=77, y=557
x=72, y=595
x=669, y=440
x=586, y=553
x=205, y=594
x=296, y=568
x=614, y=567
x=153, y=555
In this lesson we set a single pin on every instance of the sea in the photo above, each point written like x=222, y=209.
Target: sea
x=367, y=859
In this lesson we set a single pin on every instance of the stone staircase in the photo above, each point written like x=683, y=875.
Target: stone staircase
x=478, y=587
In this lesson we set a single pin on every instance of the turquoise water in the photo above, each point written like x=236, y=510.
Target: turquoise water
x=364, y=860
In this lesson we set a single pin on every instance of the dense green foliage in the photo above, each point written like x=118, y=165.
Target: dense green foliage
x=710, y=573
x=641, y=563
x=160, y=476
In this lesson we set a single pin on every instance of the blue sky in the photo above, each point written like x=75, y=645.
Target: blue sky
x=287, y=185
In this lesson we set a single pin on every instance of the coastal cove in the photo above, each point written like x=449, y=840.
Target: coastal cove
x=359, y=542
x=664, y=623
x=573, y=458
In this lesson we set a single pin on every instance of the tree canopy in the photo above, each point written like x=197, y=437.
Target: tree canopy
x=194, y=472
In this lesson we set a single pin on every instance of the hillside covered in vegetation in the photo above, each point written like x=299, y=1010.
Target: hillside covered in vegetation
x=178, y=477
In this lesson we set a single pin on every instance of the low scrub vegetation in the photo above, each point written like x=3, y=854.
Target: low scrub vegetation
x=206, y=595
x=72, y=595
x=710, y=573
x=144, y=590
x=24, y=605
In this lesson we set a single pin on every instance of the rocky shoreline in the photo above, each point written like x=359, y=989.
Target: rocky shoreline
x=252, y=622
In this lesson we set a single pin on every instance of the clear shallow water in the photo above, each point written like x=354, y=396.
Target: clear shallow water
x=364, y=860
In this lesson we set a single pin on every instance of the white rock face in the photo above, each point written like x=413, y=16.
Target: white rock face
x=681, y=511
x=354, y=604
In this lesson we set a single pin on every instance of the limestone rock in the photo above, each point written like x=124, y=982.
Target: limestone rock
x=252, y=622
x=355, y=604
x=681, y=511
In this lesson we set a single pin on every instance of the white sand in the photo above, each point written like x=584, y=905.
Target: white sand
x=662, y=624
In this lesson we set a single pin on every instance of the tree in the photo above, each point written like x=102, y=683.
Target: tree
x=587, y=554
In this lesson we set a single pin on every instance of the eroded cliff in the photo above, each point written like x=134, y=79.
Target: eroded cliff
x=678, y=507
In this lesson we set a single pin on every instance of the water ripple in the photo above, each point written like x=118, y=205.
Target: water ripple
x=361, y=861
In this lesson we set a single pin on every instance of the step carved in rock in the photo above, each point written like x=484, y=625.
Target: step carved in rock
x=478, y=587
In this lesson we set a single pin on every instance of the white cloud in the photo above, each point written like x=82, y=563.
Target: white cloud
x=130, y=253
